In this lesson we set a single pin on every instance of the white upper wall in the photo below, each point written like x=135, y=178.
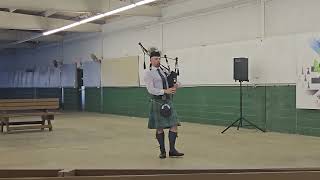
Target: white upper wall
x=292, y=16
x=231, y=25
x=73, y=49
x=174, y=31
x=125, y=43
x=38, y=57
x=79, y=48
x=190, y=6
x=226, y=27
x=6, y=60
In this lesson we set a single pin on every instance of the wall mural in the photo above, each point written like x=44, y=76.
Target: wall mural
x=308, y=83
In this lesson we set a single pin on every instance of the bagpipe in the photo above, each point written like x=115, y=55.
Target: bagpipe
x=172, y=76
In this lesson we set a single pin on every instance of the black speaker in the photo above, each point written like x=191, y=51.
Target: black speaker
x=240, y=69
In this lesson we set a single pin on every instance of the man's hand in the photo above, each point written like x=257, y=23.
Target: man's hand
x=170, y=91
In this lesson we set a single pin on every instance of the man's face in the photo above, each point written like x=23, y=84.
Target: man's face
x=155, y=61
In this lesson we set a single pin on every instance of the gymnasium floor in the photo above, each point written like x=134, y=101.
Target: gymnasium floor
x=90, y=140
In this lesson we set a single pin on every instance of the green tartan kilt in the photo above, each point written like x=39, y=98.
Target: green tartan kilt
x=156, y=121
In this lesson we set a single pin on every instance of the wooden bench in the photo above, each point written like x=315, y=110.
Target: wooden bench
x=11, y=108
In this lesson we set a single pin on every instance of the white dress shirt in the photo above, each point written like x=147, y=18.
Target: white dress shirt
x=154, y=82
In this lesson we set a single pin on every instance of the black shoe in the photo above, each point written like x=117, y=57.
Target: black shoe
x=175, y=153
x=160, y=138
x=163, y=155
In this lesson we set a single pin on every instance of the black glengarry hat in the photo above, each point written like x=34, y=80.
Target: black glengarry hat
x=155, y=54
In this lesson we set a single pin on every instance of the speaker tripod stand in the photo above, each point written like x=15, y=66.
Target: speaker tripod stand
x=241, y=119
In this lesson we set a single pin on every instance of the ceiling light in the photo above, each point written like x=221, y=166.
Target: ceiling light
x=99, y=16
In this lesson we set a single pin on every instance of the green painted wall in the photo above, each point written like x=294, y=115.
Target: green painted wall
x=125, y=101
x=29, y=93
x=70, y=95
x=71, y=99
x=220, y=105
x=17, y=93
x=93, y=99
x=281, y=109
x=49, y=93
x=271, y=108
x=308, y=122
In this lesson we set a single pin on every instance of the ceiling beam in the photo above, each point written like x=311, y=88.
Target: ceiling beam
x=26, y=45
x=143, y=11
x=12, y=10
x=13, y=35
x=49, y=13
x=79, y=6
x=30, y=22
x=55, y=5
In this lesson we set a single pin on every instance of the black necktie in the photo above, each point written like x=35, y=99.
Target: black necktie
x=164, y=81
